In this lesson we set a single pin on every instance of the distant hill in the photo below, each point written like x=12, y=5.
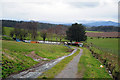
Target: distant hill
x=45, y=25
x=12, y=23
x=101, y=23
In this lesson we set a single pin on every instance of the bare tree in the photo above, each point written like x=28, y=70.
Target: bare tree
x=43, y=34
x=60, y=32
x=25, y=29
x=50, y=33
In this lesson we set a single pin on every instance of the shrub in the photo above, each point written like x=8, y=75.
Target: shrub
x=6, y=38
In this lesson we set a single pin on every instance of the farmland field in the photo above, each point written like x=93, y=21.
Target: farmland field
x=107, y=44
x=15, y=55
x=7, y=30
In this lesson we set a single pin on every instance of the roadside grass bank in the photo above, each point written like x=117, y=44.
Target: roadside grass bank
x=109, y=60
x=89, y=67
x=106, y=50
x=15, y=62
x=51, y=73
x=15, y=55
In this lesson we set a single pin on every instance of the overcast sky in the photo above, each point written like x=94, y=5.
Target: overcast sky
x=60, y=11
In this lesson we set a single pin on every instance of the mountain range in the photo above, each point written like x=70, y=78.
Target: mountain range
x=101, y=23
x=96, y=23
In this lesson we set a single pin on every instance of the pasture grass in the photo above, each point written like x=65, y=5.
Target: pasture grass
x=54, y=71
x=7, y=30
x=106, y=44
x=43, y=50
x=90, y=66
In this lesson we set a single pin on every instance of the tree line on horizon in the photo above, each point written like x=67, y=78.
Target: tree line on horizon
x=104, y=28
x=31, y=29
x=22, y=30
x=12, y=23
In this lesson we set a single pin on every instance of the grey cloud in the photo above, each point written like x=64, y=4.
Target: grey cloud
x=57, y=10
x=84, y=4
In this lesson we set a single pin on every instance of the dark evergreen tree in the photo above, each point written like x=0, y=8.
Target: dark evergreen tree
x=76, y=33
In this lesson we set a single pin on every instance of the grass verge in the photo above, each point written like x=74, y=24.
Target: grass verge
x=51, y=73
x=90, y=66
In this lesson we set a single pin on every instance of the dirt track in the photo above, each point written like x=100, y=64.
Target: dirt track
x=71, y=69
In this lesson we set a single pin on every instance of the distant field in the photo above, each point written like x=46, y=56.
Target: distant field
x=8, y=30
x=103, y=34
x=107, y=44
x=14, y=57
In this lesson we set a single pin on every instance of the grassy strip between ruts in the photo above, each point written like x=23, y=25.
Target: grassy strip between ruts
x=51, y=73
x=89, y=67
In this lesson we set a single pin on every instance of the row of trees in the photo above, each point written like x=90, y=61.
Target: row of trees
x=24, y=29
x=58, y=32
x=74, y=33
x=30, y=30
x=104, y=28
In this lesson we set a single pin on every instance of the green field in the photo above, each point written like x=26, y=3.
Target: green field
x=43, y=50
x=8, y=30
x=106, y=44
x=15, y=59
x=89, y=67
